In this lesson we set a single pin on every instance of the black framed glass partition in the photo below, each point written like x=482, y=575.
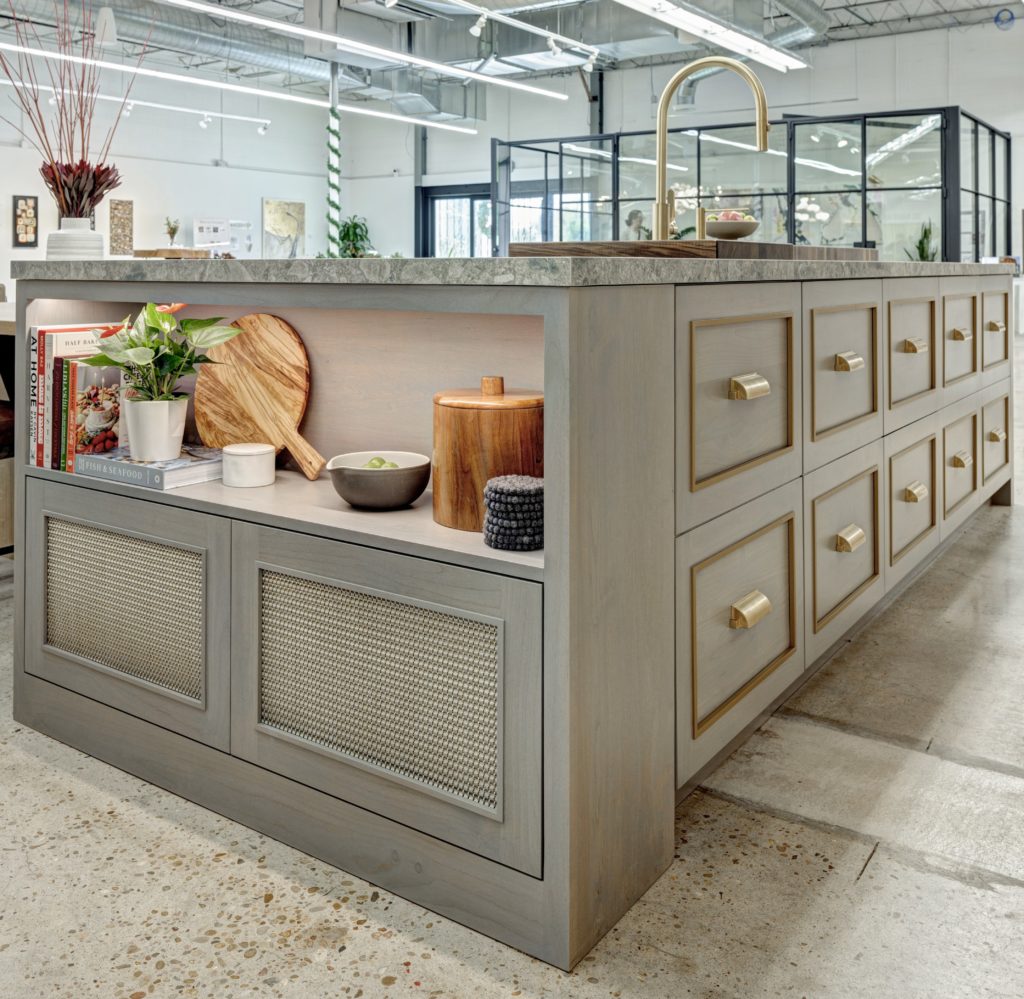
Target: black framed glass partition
x=923, y=184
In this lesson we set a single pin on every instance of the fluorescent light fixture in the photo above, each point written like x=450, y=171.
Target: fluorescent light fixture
x=350, y=44
x=717, y=33
x=814, y=164
x=233, y=88
x=586, y=151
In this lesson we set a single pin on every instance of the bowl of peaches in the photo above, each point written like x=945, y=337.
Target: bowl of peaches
x=730, y=224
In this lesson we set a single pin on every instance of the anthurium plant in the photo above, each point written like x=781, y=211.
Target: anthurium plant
x=156, y=351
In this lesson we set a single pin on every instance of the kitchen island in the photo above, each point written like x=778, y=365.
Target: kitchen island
x=742, y=460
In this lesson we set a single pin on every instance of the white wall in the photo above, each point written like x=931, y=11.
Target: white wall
x=980, y=68
x=167, y=165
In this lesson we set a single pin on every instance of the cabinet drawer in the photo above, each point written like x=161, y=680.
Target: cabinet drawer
x=843, y=551
x=913, y=488
x=995, y=331
x=843, y=368
x=126, y=603
x=912, y=376
x=960, y=464
x=738, y=356
x=405, y=686
x=996, y=434
x=960, y=340
x=739, y=594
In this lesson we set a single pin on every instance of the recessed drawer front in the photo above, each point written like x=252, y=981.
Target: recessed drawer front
x=405, y=686
x=912, y=371
x=128, y=605
x=738, y=395
x=843, y=368
x=960, y=342
x=995, y=335
x=739, y=592
x=845, y=525
x=912, y=461
x=996, y=427
x=960, y=462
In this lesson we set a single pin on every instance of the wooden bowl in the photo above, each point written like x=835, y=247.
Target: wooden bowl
x=731, y=230
x=379, y=488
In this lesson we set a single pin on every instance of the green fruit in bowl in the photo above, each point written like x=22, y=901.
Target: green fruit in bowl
x=749, y=218
x=712, y=218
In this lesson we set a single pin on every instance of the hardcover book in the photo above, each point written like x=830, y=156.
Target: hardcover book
x=195, y=464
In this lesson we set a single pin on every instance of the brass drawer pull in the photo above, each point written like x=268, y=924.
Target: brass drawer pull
x=963, y=459
x=848, y=360
x=850, y=538
x=750, y=386
x=915, y=345
x=916, y=492
x=748, y=610
x=998, y=435
x=962, y=335
x=996, y=326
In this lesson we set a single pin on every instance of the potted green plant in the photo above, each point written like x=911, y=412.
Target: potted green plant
x=925, y=248
x=171, y=227
x=155, y=352
x=354, y=237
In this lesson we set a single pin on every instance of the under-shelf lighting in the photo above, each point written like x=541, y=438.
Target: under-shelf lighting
x=351, y=45
x=234, y=88
x=717, y=33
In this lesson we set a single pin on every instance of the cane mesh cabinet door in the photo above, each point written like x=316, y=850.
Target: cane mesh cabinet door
x=406, y=686
x=738, y=395
x=127, y=603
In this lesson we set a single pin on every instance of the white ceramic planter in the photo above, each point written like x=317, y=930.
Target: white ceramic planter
x=75, y=241
x=155, y=429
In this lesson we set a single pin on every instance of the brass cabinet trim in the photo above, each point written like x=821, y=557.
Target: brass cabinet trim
x=1005, y=442
x=750, y=610
x=1001, y=326
x=850, y=538
x=947, y=511
x=821, y=622
x=750, y=386
x=895, y=556
x=701, y=725
x=872, y=307
x=973, y=340
x=849, y=360
x=930, y=349
x=711, y=480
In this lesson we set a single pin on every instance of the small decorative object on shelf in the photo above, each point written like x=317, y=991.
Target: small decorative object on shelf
x=379, y=480
x=190, y=467
x=250, y=465
x=76, y=173
x=515, y=513
x=480, y=434
x=171, y=227
x=155, y=352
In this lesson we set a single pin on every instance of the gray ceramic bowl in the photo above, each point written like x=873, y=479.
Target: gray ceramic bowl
x=731, y=230
x=379, y=488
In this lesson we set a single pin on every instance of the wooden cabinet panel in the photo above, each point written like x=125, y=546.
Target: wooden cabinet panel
x=738, y=395
x=960, y=340
x=914, y=490
x=960, y=464
x=996, y=435
x=739, y=596
x=996, y=330
x=845, y=524
x=843, y=369
x=408, y=687
x=130, y=608
x=913, y=346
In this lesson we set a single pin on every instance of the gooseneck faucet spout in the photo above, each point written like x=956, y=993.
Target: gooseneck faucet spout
x=664, y=206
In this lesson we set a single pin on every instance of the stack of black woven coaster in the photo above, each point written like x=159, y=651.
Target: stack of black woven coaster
x=514, y=520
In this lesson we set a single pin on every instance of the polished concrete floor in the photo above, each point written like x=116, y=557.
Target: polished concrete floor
x=868, y=841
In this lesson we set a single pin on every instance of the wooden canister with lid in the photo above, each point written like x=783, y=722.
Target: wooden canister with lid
x=480, y=434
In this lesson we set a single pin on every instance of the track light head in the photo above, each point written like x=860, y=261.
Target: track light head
x=204, y=122
x=588, y=66
x=553, y=46
x=262, y=130
x=478, y=28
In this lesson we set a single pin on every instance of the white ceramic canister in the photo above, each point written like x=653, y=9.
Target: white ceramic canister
x=248, y=465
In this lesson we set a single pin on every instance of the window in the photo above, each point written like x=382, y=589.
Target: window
x=457, y=222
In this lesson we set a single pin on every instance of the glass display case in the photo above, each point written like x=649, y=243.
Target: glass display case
x=918, y=185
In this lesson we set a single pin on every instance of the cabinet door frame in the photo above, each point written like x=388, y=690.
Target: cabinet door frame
x=207, y=719
x=510, y=834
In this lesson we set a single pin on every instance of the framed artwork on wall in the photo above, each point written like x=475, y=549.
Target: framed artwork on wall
x=25, y=231
x=122, y=228
x=284, y=229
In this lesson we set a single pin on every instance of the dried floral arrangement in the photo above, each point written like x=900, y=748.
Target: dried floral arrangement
x=59, y=105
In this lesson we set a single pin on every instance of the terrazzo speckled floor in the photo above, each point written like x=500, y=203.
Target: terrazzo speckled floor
x=865, y=843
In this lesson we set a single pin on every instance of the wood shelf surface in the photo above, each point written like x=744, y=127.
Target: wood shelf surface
x=295, y=504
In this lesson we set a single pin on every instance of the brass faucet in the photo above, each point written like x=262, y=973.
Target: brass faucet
x=665, y=205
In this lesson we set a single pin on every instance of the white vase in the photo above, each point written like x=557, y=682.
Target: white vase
x=155, y=429
x=75, y=241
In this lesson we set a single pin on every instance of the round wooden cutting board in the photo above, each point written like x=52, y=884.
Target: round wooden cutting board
x=257, y=391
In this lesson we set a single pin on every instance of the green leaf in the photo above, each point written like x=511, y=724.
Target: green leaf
x=211, y=336
x=99, y=361
x=162, y=321
x=140, y=356
x=190, y=325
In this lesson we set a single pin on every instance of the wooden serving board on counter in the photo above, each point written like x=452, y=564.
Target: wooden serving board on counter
x=173, y=253
x=702, y=249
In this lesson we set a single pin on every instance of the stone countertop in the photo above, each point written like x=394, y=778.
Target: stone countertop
x=547, y=272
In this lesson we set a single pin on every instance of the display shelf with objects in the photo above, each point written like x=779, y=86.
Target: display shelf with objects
x=502, y=734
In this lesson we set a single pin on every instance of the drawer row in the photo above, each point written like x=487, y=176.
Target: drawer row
x=763, y=591
x=775, y=380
